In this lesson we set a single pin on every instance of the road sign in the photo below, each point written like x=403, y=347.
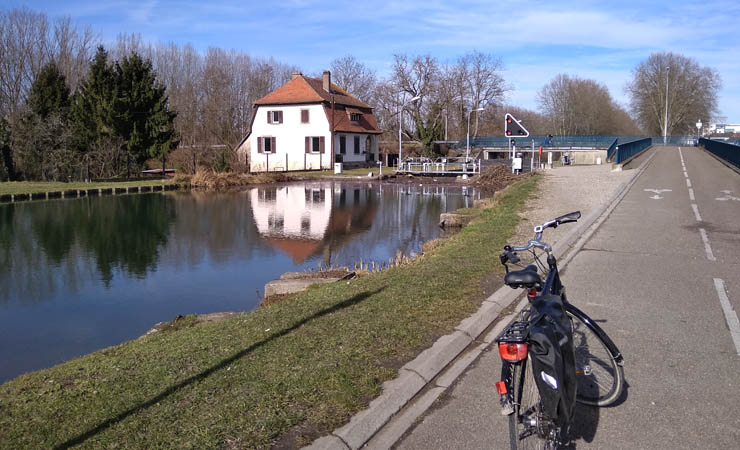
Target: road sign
x=514, y=128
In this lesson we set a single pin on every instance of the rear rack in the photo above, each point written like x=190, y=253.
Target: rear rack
x=517, y=331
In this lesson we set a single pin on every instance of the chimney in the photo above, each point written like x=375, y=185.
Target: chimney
x=295, y=75
x=327, y=81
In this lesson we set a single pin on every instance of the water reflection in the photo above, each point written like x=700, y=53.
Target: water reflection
x=312, y=218
x=78, y=275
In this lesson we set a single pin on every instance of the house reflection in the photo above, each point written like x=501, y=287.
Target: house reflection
x=305, y=220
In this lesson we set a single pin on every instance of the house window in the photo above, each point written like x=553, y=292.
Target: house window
x=357, y=145
x=355, y=117
x=342, y=144
x=314, y=144
x=274, y=117
x=304, y=116
x=266, y=144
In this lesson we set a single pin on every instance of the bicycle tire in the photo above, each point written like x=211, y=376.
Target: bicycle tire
x=600, y=378
x=527, y=405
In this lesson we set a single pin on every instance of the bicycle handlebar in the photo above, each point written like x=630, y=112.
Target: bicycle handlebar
x=537, y=241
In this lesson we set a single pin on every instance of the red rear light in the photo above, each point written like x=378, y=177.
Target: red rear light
x=510, y=351
x=532, y=293
x=501, y=387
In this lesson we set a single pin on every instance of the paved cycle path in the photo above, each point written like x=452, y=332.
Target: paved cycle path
x=649, y=275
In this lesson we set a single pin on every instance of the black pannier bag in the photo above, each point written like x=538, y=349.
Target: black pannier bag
x=553, y=358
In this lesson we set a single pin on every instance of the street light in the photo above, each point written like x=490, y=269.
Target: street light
x=400, y=113
x=698, y=128
x=467, y=147
x=665, y=122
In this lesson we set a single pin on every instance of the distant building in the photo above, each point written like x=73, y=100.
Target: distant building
x=723, y=128
x=293, y=128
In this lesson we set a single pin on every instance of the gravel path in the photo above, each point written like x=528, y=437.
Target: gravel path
x=566, y=189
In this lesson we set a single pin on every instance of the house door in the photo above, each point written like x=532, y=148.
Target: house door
x=369, y=153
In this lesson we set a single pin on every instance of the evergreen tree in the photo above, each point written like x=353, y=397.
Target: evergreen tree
x=92, y=107
x=41, y=141
x=7, y=168
x=49, y=93
x=142, y=115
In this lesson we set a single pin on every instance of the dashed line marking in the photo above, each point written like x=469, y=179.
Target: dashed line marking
x=696, y=212
x=730, y=315
x=688, y=182
x=707, y=247
x=691, y=195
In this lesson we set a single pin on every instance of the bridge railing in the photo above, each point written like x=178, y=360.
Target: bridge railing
x=627, y=150
x=726, y=151
x=675, y=140
x=569, y=141
x=610, y=151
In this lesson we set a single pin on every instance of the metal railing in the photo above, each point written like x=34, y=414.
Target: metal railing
x=726, y=151
x=574, y=141
x=675, y=140
x=612, y=148
x=627, y=150
x=441, y=166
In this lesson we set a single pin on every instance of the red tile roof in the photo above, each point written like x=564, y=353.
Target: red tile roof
x=302, y=89
x=342, y=123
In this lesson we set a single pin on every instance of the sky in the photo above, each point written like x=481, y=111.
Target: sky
x=535, y=40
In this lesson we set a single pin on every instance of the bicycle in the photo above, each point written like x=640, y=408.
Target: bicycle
x=581, y=363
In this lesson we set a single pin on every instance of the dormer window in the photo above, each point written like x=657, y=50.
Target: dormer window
x=355, y=115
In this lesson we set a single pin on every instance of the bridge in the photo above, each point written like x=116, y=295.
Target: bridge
x=654, y=260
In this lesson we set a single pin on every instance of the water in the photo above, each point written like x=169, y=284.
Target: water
x=83, y=274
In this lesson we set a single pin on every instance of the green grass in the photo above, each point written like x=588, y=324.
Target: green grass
x=281, y=375
x=30, y=187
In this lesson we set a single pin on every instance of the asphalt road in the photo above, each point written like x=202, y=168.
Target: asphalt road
x=655, y=275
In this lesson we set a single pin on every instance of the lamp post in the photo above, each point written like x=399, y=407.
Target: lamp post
x=400, y=113
x=665, y=122
x=467, y=146
x=698, y=129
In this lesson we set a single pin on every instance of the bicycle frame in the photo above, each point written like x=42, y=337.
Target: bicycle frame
x=552, y=286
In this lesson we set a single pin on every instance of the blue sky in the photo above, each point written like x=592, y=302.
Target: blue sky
x=536, y=40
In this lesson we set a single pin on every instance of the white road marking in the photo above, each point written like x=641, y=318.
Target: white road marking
x=685, y=174
x=691, y=195
x=727, y=197
x=657, y=193
x=696, y=211
x=707, y=247
x=688, y=182
x=730, y=315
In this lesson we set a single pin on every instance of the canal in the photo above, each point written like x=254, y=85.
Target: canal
x=83, y=274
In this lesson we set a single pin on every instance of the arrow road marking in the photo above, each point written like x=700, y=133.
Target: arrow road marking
x=657, y=193
x=727, y=197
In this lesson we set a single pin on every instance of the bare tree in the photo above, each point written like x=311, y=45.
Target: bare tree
x=484, y=86
x=578, y=106
x=354, y=77
x=419, y=77
x=24, y=49
x=672, y=86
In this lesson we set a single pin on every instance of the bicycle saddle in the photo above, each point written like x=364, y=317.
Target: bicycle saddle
x=527, y=277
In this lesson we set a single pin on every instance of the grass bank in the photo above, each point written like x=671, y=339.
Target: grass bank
x=32, y=187
x=277, y=377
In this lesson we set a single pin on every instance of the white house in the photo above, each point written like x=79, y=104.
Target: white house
x=302, y=123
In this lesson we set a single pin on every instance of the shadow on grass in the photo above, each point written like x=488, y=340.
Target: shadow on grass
x=226, y=362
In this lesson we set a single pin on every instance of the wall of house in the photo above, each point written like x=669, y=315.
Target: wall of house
x=289, y=139
x=359, y=156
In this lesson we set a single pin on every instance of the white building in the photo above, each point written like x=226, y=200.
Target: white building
x=296, y=127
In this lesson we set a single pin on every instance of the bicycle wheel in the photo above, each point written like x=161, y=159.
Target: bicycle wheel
x=528, y=427
x=600, y=378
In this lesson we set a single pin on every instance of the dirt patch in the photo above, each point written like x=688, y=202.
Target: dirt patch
x=497, y=178
x=189, y=320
